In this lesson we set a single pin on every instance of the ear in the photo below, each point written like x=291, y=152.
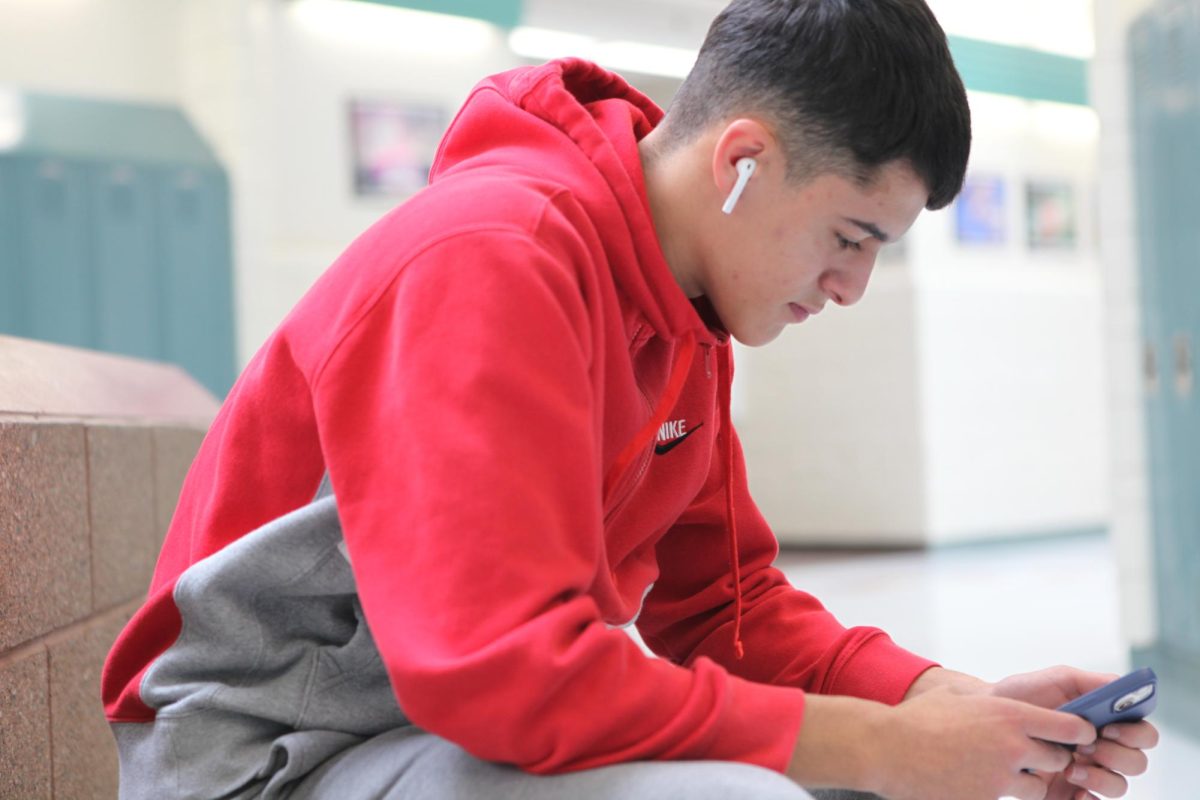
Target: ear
x=743, y=138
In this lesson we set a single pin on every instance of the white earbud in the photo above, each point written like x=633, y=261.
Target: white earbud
x=745, y=168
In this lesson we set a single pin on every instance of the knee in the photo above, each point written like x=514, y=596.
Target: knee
x=720, y=780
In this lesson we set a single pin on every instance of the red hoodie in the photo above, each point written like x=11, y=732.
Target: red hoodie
x=525, y=422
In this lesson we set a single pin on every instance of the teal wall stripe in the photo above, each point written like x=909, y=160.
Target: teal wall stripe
x=505, y=13
x=985, y=66
x=1020, y=72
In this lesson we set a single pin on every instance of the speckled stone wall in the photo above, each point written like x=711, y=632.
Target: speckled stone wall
x=93, y=451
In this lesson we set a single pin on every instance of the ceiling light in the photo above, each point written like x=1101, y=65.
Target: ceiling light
x=393, y=29
x=648, y=59
x=12, y=118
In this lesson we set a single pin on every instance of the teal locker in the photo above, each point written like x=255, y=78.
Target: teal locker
x=1165, y=102
x=197, y=283
x=126, y=302
x=114, y=235
x=1182, y=58
x=12, y=282
x=52, y=215
x=1187, y=267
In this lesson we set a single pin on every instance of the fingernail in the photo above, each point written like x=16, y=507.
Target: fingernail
x=1077, y=774
x=1086, y=749
x=1111, y=733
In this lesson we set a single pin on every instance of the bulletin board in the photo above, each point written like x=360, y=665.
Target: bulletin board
x=980, y=211
x=1052, y=215
x=394, y=144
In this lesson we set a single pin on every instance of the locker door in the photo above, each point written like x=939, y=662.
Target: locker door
x=197, y=296
x=1186, y=335
x=126, y=277
x=1179, y=312
x=12, y=284
x=1151, y=157
x=1165, y=46
x=53, y=224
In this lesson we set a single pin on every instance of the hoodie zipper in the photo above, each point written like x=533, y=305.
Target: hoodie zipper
x=643, y=466
x=622, y=497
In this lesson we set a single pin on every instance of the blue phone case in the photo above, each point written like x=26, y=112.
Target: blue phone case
x=1124, y=700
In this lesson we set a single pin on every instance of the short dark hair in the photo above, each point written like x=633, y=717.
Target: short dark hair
x=851, y=84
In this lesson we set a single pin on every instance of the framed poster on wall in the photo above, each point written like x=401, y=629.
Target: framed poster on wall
x=393, y=145
x=980, y=212
x=1052, y=215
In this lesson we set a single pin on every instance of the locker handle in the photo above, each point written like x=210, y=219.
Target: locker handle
x=1150, y=368
x=1184, y=374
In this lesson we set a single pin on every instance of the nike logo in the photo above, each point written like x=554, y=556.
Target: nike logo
x=665, y=447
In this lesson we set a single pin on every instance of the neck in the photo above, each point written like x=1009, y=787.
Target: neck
x=672, y=189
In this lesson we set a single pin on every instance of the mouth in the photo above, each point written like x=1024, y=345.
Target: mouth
x=799, y=312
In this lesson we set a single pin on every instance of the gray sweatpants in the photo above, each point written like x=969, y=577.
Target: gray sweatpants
x=274, y=689
x=408, y=763
x=413, y=764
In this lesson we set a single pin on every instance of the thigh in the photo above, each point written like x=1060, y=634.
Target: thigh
x=409, y=763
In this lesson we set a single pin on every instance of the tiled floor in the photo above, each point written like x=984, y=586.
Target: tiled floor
x=994, y=610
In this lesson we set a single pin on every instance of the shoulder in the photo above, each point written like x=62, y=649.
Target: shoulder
x=487, y=250
x=493, y=201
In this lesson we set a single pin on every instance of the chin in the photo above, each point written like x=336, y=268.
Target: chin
x=756, y=338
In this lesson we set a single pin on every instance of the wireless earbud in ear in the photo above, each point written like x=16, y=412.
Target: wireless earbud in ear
x=745, y=168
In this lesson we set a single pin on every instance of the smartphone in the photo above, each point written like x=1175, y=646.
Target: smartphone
x=1126, y=699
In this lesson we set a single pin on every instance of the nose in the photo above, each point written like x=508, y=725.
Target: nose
x=847, y=286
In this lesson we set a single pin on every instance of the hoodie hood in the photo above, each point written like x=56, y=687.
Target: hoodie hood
x=564, y=122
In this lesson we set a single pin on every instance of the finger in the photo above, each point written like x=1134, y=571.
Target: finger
x=1087, y=681
x=1116, y=757
x=1026, y=786
x=1140, y=735
x=1073, y=682
x=1058, y=726
x=1046, y=757
x=1098, y=780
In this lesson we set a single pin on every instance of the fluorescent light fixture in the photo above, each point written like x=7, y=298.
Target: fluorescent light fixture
x=12, y=118
x=393, y=29
x=1080, y=124
x=994, y=113
x=649, y=59
x=1064, y=27
x=544, y=44
x=1063, y=122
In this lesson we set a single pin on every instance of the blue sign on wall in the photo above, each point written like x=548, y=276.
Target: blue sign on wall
x=980, y=211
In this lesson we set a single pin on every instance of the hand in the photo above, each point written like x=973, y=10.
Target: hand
x=1119, y=751
x=959, y=743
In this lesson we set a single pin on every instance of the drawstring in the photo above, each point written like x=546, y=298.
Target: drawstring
x=725, y=381
x=678, y=376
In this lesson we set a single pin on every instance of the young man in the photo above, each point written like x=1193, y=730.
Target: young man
x=497, y=429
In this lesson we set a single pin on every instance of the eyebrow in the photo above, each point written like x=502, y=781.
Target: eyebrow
x=870, y=228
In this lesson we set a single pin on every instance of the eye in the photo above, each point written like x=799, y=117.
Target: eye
x=846, y=244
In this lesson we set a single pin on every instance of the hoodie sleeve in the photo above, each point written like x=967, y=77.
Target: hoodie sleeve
x=789, y=638
x=458, y=421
